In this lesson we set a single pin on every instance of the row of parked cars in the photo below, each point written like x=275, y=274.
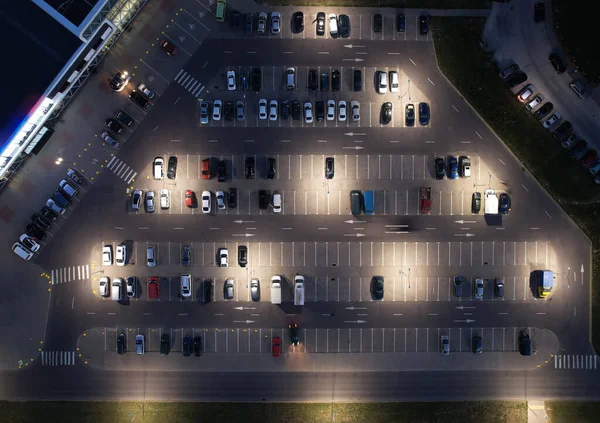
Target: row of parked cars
x=35, y=231
x=552, y=120
x=190, y=346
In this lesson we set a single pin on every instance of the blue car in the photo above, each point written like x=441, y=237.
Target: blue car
x=505, y=205
x=452, y=167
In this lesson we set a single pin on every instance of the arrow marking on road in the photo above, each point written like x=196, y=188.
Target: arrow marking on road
x=244, y=308
x=243, y=321
x=397, y=232
x=244, y=235
x=355, y=321
x=356, y=235
x=355, y=221
x=355, y=308
x=243, y=221
x=354, y=60
x=464, y=321
x=352, y=46
x=464, y=307
x=465, y=235
x=464, y=221
x=353, y=133
x=397, y=314
x=356, y=147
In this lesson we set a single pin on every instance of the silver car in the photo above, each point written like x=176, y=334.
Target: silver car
x=150, y=202
x=262, y=23
x=204, y=113
x=255, y=289
x=355, y=111
x=228, y=289
x=445, y=345
x=104, y=286
x=146, y=90
x=239, y=107
x=479, y=289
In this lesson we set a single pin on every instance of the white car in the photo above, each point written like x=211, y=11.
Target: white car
x=342, y=111
x=276, y=202
x=206, y=202
x=136, y=199
x=22, y=251
x=107, y=255
x=275, y=22
x=552, y=120
x=186, y=288
x=330, y=110
x=30, y=243
x=150, y=202
x=273, y=110
x=217, y=106
x=110, y=140
x=394, y=85
x=231, y=80
x=445, y=345
x=220, y=200
x=104, y=289
x=382, y=84
x=146, y=90
x=223, y=257
x=121, y=256
x=165, y=202
x=308, y=116
x=333, y=26
x=355, y=105
x=68, y=189
x=537, y=100
x=525, y=93
x=262, y=109
x=479, y=289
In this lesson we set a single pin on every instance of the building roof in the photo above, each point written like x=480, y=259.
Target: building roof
x=36, y=48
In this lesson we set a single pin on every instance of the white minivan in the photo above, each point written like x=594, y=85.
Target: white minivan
x=186, y=285
x=116, y=288
x=158, y=168
x=20, y=250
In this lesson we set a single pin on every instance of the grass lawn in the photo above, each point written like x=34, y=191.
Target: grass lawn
x=577, y=38
x=174, y=412
x=470, y=69
x=408, y=4
x=571, y=412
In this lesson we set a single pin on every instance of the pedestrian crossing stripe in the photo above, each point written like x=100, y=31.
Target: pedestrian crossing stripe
x=58, y=358
x=581, y=362
x=71, y=273
x=189, y=83
x=120, y=168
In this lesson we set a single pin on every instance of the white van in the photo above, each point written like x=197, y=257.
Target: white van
x=164, y=199
x=276, y=202
x=157, y=168
x=290, y=79
x=115, y=290
x=150, y=260
x=299, y=290
x=20, y=250
x=186, y=285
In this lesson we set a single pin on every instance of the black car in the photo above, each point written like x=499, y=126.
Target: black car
x=242, y=255
x=557, y=63
x=232, y=198
x=298, y=19
x=476, y=203
x=131, y=286
x=114, y=126
x=344, y=26
x=329, y=168
x=121, y=344
x=509, y=70
x=285, y=110
x=35, y=232
x=294, y=334
x=263, y=199
x=504, y=203
x=228, y=110
x=296, y=110
x=321, y=23
x=377, y=287
x=386, y=113
x=41, y=221
x=256, y=79
x=270, y=168
x=48, y=213
x=499, y=288
x=325, y=81
x=60, y=199
x=563, y=131
x=249, y=167
x=524, y=344
x=172, y=167
x=409, y=115
x=249, y=23
x=221, y=171
x=440, y=168
x=423, y=24
x=357, y=80
x=539, y=12
x=477, y=344
x=579, y=148
x=243, y=81
x=139, y=100
x=124, y=118
x=423, y=113
x=457, y=286
x=377, y=22
x=119, y=81
x=400, y=22
x=198, y=346
x=320, y=110
x=515, y=79
x=313, y=80
x=187, y=346
x=335, y=80
x=186, y=258
x=165, y=344
x=208, y=288
x=543, y=111
x=235, y=19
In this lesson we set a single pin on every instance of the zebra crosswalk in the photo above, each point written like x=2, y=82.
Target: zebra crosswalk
x=189, y=83
x=580, y=361
x=120, y=168
x=58, y=358
x=69, y=274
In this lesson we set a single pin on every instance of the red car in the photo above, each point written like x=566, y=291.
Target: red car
x=189, y=198
x=153, y=291
x=276, y=346
x=170, y=47
x=589, y=158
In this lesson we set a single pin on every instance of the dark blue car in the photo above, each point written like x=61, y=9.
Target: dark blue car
x=504, y=203
x=452, y=167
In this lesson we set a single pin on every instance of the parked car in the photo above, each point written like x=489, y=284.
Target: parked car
x=263, y=199
x=476, y=203
x=423, y=114
x=504, y=204
x=440, y=168
x=249, y=27
x=543, y=111
x=329, y=168
x=377, y=23
x=114, y=126
x=294, y=339
x=525, y=93
x=506, y=72
x=452, y=167
x=465, y=166
x=539, y=12
x=589, y=158
x=144, y=89
x=255, y=290
x=479, y=288
x=400, y=22
x=217, y=105
x=537, y=100
x=275, y=23
x=276, y=349
x=320, y=24
x=515, y=78
x=204, y=112
x=377, y=287
x=119, y=81
x=110, y=140
x=556, y=117
x=570, y=141
x=172, y=167
x=298, y=19
x=344, y=26
x=409, y=114
x=242, y=255
x=341, y=111
x=139, y=100
x=249, y=168
x=232, y=198
x=563, y=131
x=423, y=25
x=557, y=63
x=457, y=286
x=262, y=23
x=355, y=106
x=445, y=345
x=206, y=202
x=231, y=81
x=386, y=113
x=169, y=47
x=578, y=149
